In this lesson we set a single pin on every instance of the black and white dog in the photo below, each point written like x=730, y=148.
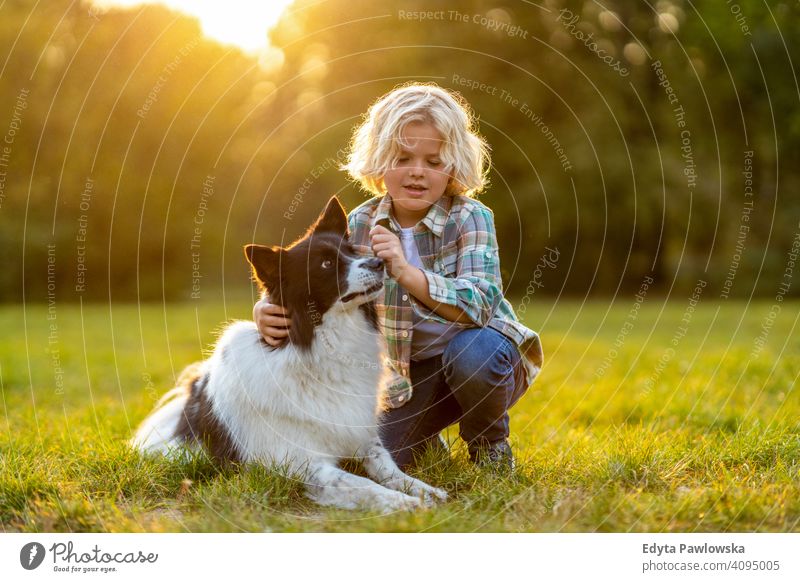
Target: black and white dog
x=309, y=403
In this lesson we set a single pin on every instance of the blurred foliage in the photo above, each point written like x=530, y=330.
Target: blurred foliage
x=269, y=137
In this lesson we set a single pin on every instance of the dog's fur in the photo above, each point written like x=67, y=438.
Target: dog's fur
x=309, y=403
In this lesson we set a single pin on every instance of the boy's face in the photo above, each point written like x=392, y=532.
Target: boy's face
x=419, y=178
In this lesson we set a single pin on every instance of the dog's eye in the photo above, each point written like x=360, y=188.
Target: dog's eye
x=326, y=264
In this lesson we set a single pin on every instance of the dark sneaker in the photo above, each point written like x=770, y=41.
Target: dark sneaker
x=495, y=455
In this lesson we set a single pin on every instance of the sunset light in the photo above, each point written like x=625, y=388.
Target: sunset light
x=242, y=23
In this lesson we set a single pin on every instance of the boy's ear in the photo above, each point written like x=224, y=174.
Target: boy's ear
x=332, y=219
x=266, y=264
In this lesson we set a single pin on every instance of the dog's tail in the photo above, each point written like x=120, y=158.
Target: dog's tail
x=158, y=432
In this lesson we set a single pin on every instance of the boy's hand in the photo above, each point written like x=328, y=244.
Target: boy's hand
x=271, y=320
x=387, y=246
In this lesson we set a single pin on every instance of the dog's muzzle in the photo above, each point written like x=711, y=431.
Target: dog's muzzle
x=375, y=267
x=368, y=291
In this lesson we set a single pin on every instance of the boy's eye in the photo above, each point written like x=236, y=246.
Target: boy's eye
x=327, y=263
x=402, y=159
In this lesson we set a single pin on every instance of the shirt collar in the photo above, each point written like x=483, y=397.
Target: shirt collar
x=435, y=219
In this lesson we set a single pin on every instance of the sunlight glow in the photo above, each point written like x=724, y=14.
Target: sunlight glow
x=242, y=23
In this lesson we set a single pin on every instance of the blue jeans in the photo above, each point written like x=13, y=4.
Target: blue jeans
x=474, y=382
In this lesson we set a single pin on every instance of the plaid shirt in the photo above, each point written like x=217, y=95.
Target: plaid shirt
x=458, y=249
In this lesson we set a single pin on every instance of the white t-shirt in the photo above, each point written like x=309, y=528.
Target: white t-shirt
x=428, y=338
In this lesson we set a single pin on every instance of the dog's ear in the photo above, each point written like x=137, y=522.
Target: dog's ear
x=332, y=219
x=266, y=264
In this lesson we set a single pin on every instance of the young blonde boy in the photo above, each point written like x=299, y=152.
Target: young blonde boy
x=456, y=350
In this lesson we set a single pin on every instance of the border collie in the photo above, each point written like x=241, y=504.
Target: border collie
x=310, y=402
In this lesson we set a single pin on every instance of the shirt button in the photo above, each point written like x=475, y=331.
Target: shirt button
x=405, y=334
x=405, y=297
x=401, y=398
x=488, y=255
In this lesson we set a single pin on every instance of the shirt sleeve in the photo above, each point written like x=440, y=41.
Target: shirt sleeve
x=477, y=286
x=358, y=226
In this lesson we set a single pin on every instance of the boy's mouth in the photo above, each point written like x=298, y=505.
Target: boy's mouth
x=414, y=189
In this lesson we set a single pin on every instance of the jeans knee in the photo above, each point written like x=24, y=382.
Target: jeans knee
x=478, y=357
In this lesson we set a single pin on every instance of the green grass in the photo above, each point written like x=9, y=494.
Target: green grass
x=711, y=444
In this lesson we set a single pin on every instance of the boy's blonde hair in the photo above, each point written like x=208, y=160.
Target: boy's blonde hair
x=376, y=143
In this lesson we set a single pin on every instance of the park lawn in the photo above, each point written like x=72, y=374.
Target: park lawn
x=619, y=433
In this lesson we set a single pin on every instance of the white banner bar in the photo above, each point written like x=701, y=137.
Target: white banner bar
x=399, y=557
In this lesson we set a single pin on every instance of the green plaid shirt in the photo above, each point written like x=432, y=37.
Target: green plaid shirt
x=458, y=249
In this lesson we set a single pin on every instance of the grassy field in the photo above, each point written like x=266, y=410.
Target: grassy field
x=637, y=423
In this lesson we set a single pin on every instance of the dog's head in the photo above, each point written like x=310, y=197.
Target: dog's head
x=319, y=272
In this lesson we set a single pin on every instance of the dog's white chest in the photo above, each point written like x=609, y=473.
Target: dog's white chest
x=290, y=404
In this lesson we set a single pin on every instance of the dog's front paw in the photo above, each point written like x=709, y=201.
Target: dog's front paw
x=439, y=494
x=430, y=496
x=397, y=501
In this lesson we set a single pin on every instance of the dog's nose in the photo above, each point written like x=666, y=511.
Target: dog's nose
x=374, y=264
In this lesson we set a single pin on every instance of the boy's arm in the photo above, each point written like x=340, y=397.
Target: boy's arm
x=387, y=246
x=472, y=293
x=476, y=288
x=416, y=283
